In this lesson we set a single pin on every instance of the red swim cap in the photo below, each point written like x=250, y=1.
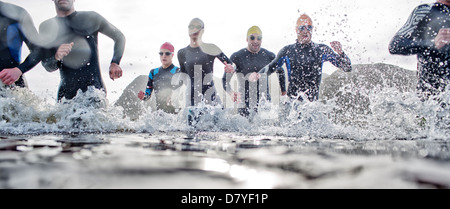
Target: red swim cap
x=168, y=46
x=304, y=20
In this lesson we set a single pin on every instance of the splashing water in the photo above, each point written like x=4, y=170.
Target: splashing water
x=390, y=114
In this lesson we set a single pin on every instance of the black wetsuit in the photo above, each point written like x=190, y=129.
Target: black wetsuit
x=304, y=68
x=192, y=59
x=416, y=37
x=160, y=85
x=246, y=63
x=81, y=68
x=16, y=27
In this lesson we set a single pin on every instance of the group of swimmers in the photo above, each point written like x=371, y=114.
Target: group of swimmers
x=69, y=43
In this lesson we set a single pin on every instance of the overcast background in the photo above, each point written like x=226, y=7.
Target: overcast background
x=363, y=27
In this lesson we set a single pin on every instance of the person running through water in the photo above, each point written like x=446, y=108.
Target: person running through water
x=304, y=61
x=71, y=40
x=160, y=80
x=248, y=60
x=197, y=62
x=427, y=35
x=16, y=28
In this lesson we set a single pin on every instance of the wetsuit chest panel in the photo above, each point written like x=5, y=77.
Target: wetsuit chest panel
x=306, y=65
x=248, y=62
x=195, y=57
x=162, y=78
x=80, y=69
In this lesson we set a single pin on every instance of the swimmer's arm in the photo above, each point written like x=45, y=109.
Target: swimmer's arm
x=117, y=36
x=407, y=41
x=145, y=96
x=226, y=78
x=276, y=63
x=340, y=60
x=30, y=37
x=49, y=62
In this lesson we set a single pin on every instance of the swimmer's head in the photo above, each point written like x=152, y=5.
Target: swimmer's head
x=254, y=30
x=168, y=46
x=196, y=26
x=254, y=39
x=166, y=54
x=304, y=29
x=303, y=20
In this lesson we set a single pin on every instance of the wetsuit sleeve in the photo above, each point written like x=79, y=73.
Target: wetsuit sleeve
x=282, y=80
x=276, y=66
x=408, y=39
x=226, y=78
x=30, y=37
x=223, y=58
x=182, y=60
x=175, y=87
x=115, y=34
x=49, y=61
x=149, y=89
x=341, y=61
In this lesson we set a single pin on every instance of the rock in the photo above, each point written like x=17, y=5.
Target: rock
x=131, y=104
x=351, y=90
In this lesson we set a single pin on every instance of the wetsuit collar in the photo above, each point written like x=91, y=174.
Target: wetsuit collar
x=298, y=44
x=69, y=16
x=168, y=68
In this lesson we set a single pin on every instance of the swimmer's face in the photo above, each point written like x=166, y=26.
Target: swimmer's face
x=166, y=57
x=254, y=42
x=195, y=29
x=304, y=33
x=64, y=5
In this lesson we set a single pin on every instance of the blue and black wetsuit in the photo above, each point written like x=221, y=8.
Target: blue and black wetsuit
x=16, y=27
x=246, y=63
x=416, y=37
x=160, y=85
x=81, y=68
x=199, y=66
x=304, y=68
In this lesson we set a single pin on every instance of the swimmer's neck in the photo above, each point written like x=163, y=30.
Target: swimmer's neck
x=61, y=13
x=195, y=43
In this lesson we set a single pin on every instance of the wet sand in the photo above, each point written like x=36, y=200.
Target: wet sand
x=212, y=160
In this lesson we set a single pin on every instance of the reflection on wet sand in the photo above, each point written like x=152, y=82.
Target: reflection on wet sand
x=219, y=160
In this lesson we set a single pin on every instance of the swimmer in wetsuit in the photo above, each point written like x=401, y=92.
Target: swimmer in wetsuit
x=160, y=80
x=427, y=34
x=197, y=62
x=247, y=61
x=16, y=28
x=304, y=61
x=71, y=40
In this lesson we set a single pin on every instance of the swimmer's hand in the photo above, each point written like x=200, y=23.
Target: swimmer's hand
x=115, y=71
x=63, y=51
x=141, y=95
x=228, y=67
x=10, y=76
x=337, y=47
x=443, y=38
x=254, y=77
